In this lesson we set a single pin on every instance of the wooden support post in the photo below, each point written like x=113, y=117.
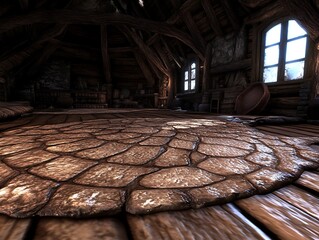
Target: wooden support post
x=206, y=70
x=105, y=55
x=231, y=14
x=193, y=29
x=106, y=61
x=212, y=17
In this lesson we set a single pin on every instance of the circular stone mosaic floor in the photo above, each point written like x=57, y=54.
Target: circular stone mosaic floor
x=142, y=165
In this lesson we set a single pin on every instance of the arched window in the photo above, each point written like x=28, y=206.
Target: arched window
x=190, y=76
x=284, y=52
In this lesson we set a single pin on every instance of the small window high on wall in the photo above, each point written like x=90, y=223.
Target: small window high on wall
x=284, y=52
x=190, y=76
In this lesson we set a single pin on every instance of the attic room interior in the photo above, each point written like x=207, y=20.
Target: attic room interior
x=159, y=119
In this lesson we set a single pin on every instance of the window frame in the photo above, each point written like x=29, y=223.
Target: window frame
x=188, y=67
x=282, y=51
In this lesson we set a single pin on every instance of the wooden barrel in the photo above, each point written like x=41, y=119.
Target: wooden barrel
x=253, y=99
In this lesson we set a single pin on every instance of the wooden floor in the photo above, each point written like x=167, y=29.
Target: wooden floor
x=289, y=213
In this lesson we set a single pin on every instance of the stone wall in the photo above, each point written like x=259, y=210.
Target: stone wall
x=55, y=76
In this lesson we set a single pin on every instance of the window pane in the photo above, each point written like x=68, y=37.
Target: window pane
x=294, y=70
x=296, y=49
x=193, y=74
x=186, y=75
x=295, y=30
x=186, y=85
x=271, y=55
x=193, y=65
x=273, y=35
x=193, y=84
x=270, y=74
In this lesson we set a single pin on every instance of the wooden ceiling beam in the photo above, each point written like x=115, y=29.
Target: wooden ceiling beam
x=170, y=52
x=231, y=14
x=147, y=51
x=98, y=18
x=24, y=4
x=17, y=58
x=254, y=3
x=306, y=13
x=193, y=29
x=270, y=11
x=144, y=68
x=47, y=51
x=212, y=17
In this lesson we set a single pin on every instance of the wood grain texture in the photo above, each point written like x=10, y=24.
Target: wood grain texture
x=98, y=18
x=280, y=217
x=13, y=229
x=206, y=223
x=93, y=229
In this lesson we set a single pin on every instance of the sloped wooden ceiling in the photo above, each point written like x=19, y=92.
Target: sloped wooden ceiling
x=117, y=41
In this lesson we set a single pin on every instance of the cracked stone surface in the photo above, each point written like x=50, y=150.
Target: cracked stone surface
x=142, y=165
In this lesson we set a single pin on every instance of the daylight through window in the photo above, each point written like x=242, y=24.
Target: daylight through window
x=285, y=46
x=190, y=77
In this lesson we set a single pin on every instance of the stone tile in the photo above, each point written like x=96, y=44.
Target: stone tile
x=83, y=130
x=136, y=155
x=221, y=150
x=118, y=136
x=228, y=166
x=165, y=133
x=60, y=136
x=187, y=137
x=133, y=140
x=62, y=141
x=155, y=141
x=309, y=155
x=104, y=151
x=197, y=157
x=29, y=158
x=263, y=159
x=106, y=132
x=6, y=173
x=145, y=201
x=62, y=168
x=18, y=147
x=76, y=146
x=38, y=132
x=179, y=177
x=272, y=142
x=173, y=157
x=112, y=175
x=24, y=195
x=268, y=179
x=222, y=192
x=12, y=140
x=77, y=201
x=142, y=130
x=264, y=149
x=176, y=143
x=290, y=162
x=228, y=142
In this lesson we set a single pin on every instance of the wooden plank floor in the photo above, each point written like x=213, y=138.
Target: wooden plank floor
x=288, y=213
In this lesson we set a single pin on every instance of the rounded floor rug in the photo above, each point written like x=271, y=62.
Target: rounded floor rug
x=142, y=165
